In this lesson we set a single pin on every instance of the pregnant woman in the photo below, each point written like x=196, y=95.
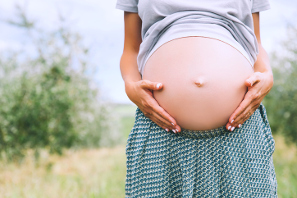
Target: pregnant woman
x=197, y=72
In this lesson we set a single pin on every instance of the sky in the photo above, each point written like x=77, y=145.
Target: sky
x=102, y=28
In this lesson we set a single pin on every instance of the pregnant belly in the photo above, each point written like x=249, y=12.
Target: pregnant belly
x=203, y=80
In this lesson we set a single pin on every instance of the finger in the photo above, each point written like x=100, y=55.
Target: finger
x=250, y=97
x=253, y=79
x=146, y=84
x=162, y=113
x=154, y=105
x=240, y=109
x=152, y=110
x=151, y=106
x=158, y=122
x=247, y=114
x=241, y=118
x=156, y=118
x=162, y=122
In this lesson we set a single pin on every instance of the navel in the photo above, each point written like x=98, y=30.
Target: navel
x=199, y=82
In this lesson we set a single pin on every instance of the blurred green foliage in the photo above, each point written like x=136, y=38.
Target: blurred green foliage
x=281, y=101
x=47, y=99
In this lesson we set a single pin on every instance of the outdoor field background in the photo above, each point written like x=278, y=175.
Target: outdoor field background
x=90, y=173
x=64, y=114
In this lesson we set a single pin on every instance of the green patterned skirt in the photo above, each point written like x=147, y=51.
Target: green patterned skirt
x=212, y=163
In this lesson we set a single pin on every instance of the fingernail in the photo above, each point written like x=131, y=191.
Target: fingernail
x=229, y=127
x=232, y=128
x=239, y=125
x=172, y=123
x=167, y=130
x=232, y=121
x=173, y=130
x=158, y=85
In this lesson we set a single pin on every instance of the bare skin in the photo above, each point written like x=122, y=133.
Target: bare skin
x=259, y=83
x=203, y=80
x=140, y=91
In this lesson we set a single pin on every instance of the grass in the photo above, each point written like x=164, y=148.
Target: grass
x=82, y=174
x=285, y=163
x=100, y=173
x=126, y=114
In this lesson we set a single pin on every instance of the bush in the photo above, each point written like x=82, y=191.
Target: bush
x=47, y=99
x=281, y=101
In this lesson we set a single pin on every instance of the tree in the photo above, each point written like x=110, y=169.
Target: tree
x=45, y=101
x=281, y=102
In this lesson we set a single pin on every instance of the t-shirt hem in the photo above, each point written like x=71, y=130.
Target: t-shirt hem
x=223, y=38
x=211, y=37
x=126, y=8
x=261, y=8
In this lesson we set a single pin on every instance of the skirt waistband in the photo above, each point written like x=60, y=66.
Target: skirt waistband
x=196, y=134
x=203, y=133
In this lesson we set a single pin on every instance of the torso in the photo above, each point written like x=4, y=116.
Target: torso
x=203, y=80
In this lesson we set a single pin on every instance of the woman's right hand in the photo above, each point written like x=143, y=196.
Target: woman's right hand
x=140, y=93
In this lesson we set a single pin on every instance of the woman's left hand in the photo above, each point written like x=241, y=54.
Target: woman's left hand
x=259, y=84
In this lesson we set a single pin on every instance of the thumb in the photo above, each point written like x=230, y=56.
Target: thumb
x=151, y=85
x=252, y=80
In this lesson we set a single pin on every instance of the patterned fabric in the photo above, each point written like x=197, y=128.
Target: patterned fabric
x=212, y=163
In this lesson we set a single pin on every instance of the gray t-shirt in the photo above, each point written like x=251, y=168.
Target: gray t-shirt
x=230, y=21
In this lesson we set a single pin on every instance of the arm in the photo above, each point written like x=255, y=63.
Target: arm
x=128, y=63
x=262, y=64
x=259, y=83
x=138, y=90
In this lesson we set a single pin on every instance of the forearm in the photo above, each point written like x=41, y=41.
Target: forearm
x=129, y=68
x=262, y=64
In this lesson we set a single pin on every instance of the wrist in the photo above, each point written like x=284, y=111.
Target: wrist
x=129, y=83
x=269, y=75
x=129, y=79
x=264, y=69
x=129, y=87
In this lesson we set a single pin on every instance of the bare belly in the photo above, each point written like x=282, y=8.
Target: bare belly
x=203, y=80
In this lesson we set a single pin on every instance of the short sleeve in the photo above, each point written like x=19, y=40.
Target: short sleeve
x=127, y=5
x=260, y=5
